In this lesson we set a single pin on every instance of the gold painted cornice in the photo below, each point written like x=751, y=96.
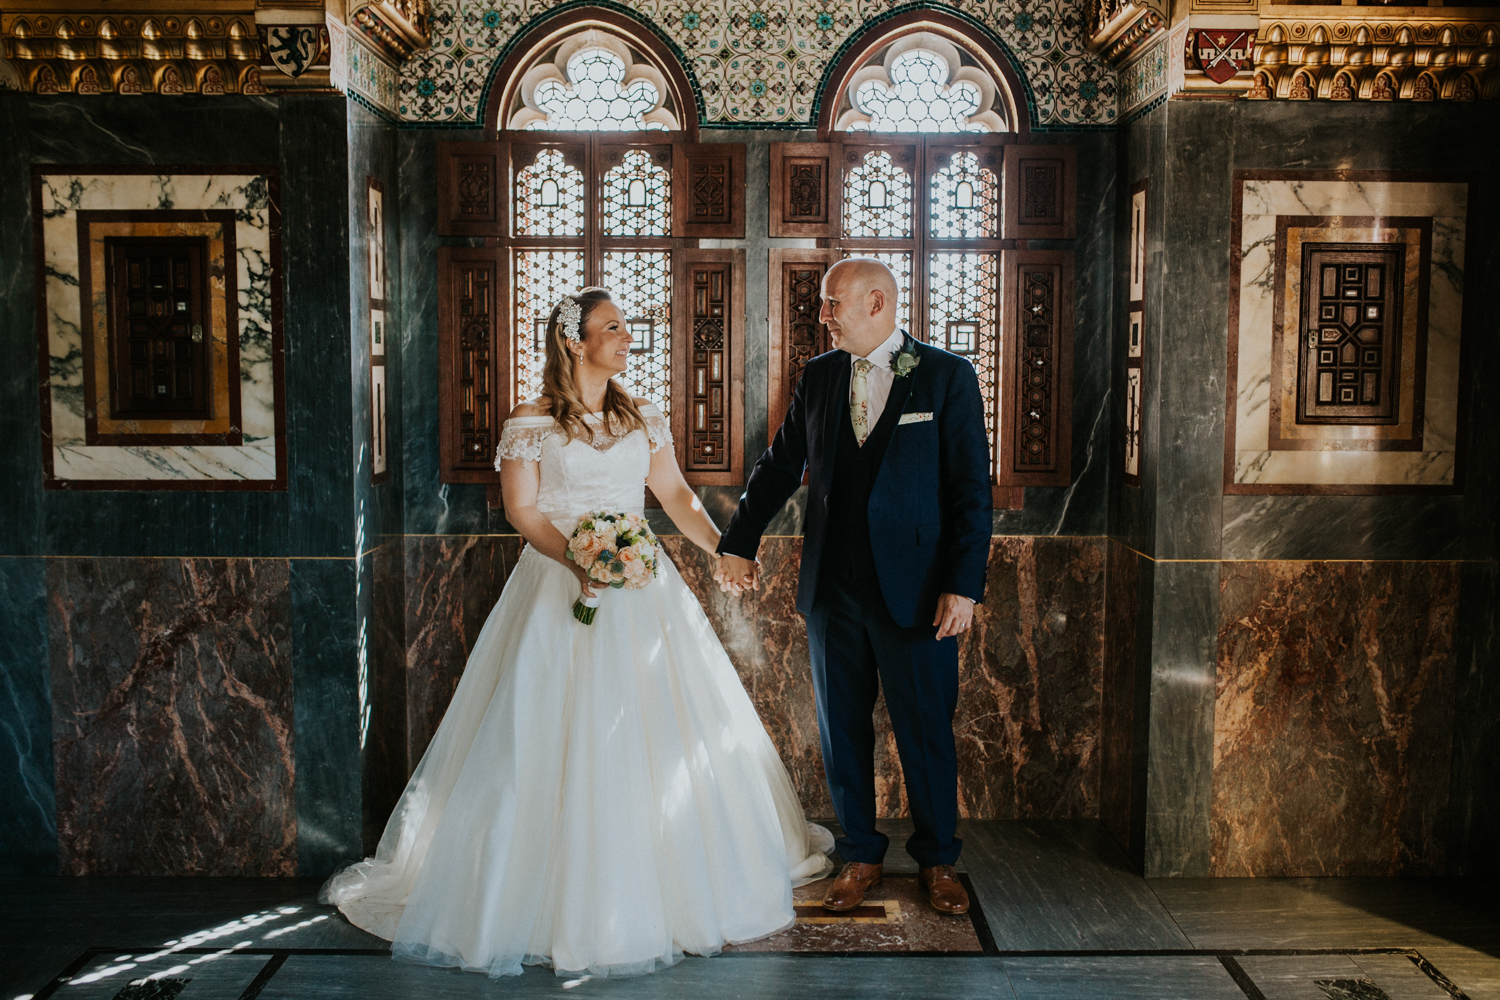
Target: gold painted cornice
x=1119, y=28
x=134, y=48
x=394, y=28
x=1366, y=53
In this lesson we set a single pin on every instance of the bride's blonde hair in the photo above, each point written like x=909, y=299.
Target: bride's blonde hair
x=560, y=388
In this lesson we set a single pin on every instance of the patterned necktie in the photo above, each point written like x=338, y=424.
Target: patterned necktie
x=859, y=403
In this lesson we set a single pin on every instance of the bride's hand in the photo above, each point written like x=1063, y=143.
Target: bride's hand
x=583, y=580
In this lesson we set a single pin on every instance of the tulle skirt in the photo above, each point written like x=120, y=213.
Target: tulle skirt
x=599, y=798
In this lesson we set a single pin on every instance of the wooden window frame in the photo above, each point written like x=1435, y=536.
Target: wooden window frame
x=799, y=217
x=475, y=190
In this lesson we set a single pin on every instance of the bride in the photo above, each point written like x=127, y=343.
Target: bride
x=599, y=798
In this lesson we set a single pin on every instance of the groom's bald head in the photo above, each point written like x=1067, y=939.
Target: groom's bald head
x=859, y=304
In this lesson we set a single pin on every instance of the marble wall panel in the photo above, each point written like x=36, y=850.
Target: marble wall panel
x=1475, y=808
x=1122, y=601
x=1343, y=527
x=326, y=703
x=63, y=196
x=172, y=716
x=1180, y=732
x=319, y=351
x=1256, y=462
x=452, y=583
x=28, y=824
x=383, y=686
x=1030, y=676
x=1333, y=713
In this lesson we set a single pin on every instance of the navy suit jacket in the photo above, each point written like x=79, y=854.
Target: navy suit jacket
x=930, y=504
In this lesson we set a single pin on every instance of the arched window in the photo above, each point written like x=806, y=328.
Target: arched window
x=593, y=82
x=921, y=82
x=924, y=165
x=594, y=177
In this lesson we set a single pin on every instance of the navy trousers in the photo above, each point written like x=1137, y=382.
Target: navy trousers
x=857, y=649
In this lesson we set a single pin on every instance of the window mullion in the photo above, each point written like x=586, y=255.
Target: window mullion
x=593, y=258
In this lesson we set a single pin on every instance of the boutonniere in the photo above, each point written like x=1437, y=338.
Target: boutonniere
x=905, y=361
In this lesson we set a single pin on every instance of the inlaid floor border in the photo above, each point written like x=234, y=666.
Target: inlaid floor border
x=1228, y=957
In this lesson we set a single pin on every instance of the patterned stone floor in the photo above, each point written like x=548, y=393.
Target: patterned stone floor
x=1061, y=915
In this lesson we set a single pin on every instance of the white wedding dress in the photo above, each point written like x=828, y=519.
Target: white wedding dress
x=601, y=798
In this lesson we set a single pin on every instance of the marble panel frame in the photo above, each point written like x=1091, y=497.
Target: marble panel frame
x=1232, y=388
x=1293, y=234
x=221, y=428
x=50, y=481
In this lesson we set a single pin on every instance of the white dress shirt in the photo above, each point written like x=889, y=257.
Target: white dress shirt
x=878, y=380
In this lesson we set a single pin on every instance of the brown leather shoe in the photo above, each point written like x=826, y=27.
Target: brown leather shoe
x=944, y=891
x=848, y=890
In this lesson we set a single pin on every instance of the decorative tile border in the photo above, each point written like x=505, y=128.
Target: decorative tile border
x=1144, y=79
x=760, y=64
x=370, y=76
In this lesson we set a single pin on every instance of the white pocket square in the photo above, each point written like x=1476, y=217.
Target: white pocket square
x=914, y=418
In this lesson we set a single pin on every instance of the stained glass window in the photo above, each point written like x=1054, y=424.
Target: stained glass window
x=963, y=303
x=642, y=285
x=596, y=97
x=877, y=198
x=549, y=197
x=638, y=197
x=918, y=98
x=542, y=277
x=965, y=200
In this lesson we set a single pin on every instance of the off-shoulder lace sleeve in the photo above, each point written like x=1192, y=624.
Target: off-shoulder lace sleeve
x=658, y=428
x=522, y=437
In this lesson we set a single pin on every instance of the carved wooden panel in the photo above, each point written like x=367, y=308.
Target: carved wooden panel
x=804, y=181
x=1351, y=350
x=158, y=353
x=708, y=413
x=796, y=335
x=1040, y=193
x=472, y=396
x=471, y=188
x=1036, y=389
x=709, y=200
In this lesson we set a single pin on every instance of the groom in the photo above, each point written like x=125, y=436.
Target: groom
x=895, y=542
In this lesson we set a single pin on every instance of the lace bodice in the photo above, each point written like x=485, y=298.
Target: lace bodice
x=580, y=476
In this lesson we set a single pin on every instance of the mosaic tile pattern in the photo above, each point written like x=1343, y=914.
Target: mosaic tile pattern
x=761, y=63
x=371, y=77
x=1145, y=79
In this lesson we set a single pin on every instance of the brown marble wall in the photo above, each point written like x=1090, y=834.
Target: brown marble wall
x=452, y=582
x=172, y=716
x=1030, y=677
x=1333, y=718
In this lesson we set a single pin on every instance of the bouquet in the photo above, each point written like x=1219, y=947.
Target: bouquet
x=614, y=548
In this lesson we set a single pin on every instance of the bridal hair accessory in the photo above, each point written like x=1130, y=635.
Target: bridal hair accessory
x=569, y=316
x=616, y=549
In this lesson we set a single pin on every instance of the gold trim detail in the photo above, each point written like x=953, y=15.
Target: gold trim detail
x=1345, y=57
x=394, y=28
x=137, y=53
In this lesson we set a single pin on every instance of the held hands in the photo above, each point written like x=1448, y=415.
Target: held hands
x=735, y=574
x=954, y=615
